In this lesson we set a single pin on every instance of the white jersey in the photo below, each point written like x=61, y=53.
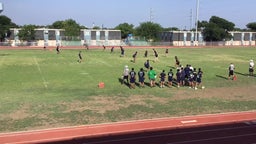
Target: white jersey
x=232, y=67
x=251, y=64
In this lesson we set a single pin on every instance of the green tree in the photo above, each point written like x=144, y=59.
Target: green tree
x=251, y=26
x=125, y=29
x=149, y=30
x=27, y=33
x=5, y=25
x=171, y=29
x=217, y=29
x=222, y=23
x=71, y=27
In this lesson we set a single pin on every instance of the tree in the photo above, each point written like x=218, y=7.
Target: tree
x=27, y=33
x=71, y=27
x=149, y=30
x=5, y=25
x=171, y=29
x=125, y=29
x=217, y=29
x=222, y=23
x=251, y=26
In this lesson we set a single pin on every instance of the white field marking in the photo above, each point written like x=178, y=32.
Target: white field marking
x=188, y=121
x=39, y=69
x=103, y=62
x=84, y=73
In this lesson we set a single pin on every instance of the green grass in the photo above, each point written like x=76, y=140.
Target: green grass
x=41, y=89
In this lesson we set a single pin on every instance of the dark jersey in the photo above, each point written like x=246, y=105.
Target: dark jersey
x=132, y=76
x=162, y=76
x=170, y=76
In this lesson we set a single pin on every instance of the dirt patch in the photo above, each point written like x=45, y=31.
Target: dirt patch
x=101, y=104
x=232, y=93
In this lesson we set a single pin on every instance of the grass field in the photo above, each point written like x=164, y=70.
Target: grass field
x=40, y=89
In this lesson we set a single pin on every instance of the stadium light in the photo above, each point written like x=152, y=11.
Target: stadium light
x=1, y=7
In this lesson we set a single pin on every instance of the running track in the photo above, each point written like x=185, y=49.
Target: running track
x=225, y=128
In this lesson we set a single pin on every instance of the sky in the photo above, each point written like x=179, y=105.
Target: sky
x=110, y=13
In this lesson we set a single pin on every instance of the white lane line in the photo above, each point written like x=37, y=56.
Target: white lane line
x=188, y=121
x=39, y=69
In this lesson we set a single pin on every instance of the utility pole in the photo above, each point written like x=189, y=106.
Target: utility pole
x=197, y=14
x=151, y=16
x=1, y=7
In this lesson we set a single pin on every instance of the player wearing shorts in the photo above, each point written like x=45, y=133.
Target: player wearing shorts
x=231, y=69
x=177, y=62
x=125, y=74
x=156, y=55
x=178, y=78
x=134, y=56
x=162, y=78
x=58, y=49
x=146, y=54
x=199, y=78
x=132, y=78
x=141, y=75
x=170, y=78
x=251, y=68
x=80, y=58
x=147, y=65
x=152, y=77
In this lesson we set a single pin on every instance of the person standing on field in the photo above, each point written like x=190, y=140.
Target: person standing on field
x=231, y=69
x=141, y=75
x=251, y=68
x=170, y=78
x=80, y=58
x=125, y=74
x=152, y=77
x=162, y=79
x=132, y=78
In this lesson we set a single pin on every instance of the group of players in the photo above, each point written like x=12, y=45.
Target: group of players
x=184, y=76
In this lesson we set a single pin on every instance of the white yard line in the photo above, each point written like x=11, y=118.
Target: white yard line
x=39, y=69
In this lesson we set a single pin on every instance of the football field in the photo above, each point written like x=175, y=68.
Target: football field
x=42, y=89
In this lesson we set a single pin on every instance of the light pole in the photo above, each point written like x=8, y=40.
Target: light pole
x=197, y=14
x=1, y=7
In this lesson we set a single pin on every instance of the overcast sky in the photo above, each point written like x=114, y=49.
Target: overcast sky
x=110, y=13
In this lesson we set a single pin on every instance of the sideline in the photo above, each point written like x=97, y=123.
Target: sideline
x=40, y=71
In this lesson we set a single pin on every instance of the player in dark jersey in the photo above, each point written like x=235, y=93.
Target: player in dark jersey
x=178, y=78
x=199, y=78
x=134, y=56
x=58, y=49
x=104, y=48
x=80, y=58
x=166, y=52
x=177, y=62
x=147, y=65
x=170, y=78
x=194, y=78
x=112, y=50
x=156, y=55
x=162, y=79
x=122, y=51
x=141, y=75
x=132, y=78
x=146, y=53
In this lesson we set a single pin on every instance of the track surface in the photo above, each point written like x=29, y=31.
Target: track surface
x=226, y=128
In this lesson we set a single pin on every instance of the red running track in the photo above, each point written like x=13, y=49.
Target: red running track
x=230, y=128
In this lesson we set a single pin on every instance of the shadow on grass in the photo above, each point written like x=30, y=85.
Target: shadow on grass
x=123, y=82
x=242, y=74
x=219, y=76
